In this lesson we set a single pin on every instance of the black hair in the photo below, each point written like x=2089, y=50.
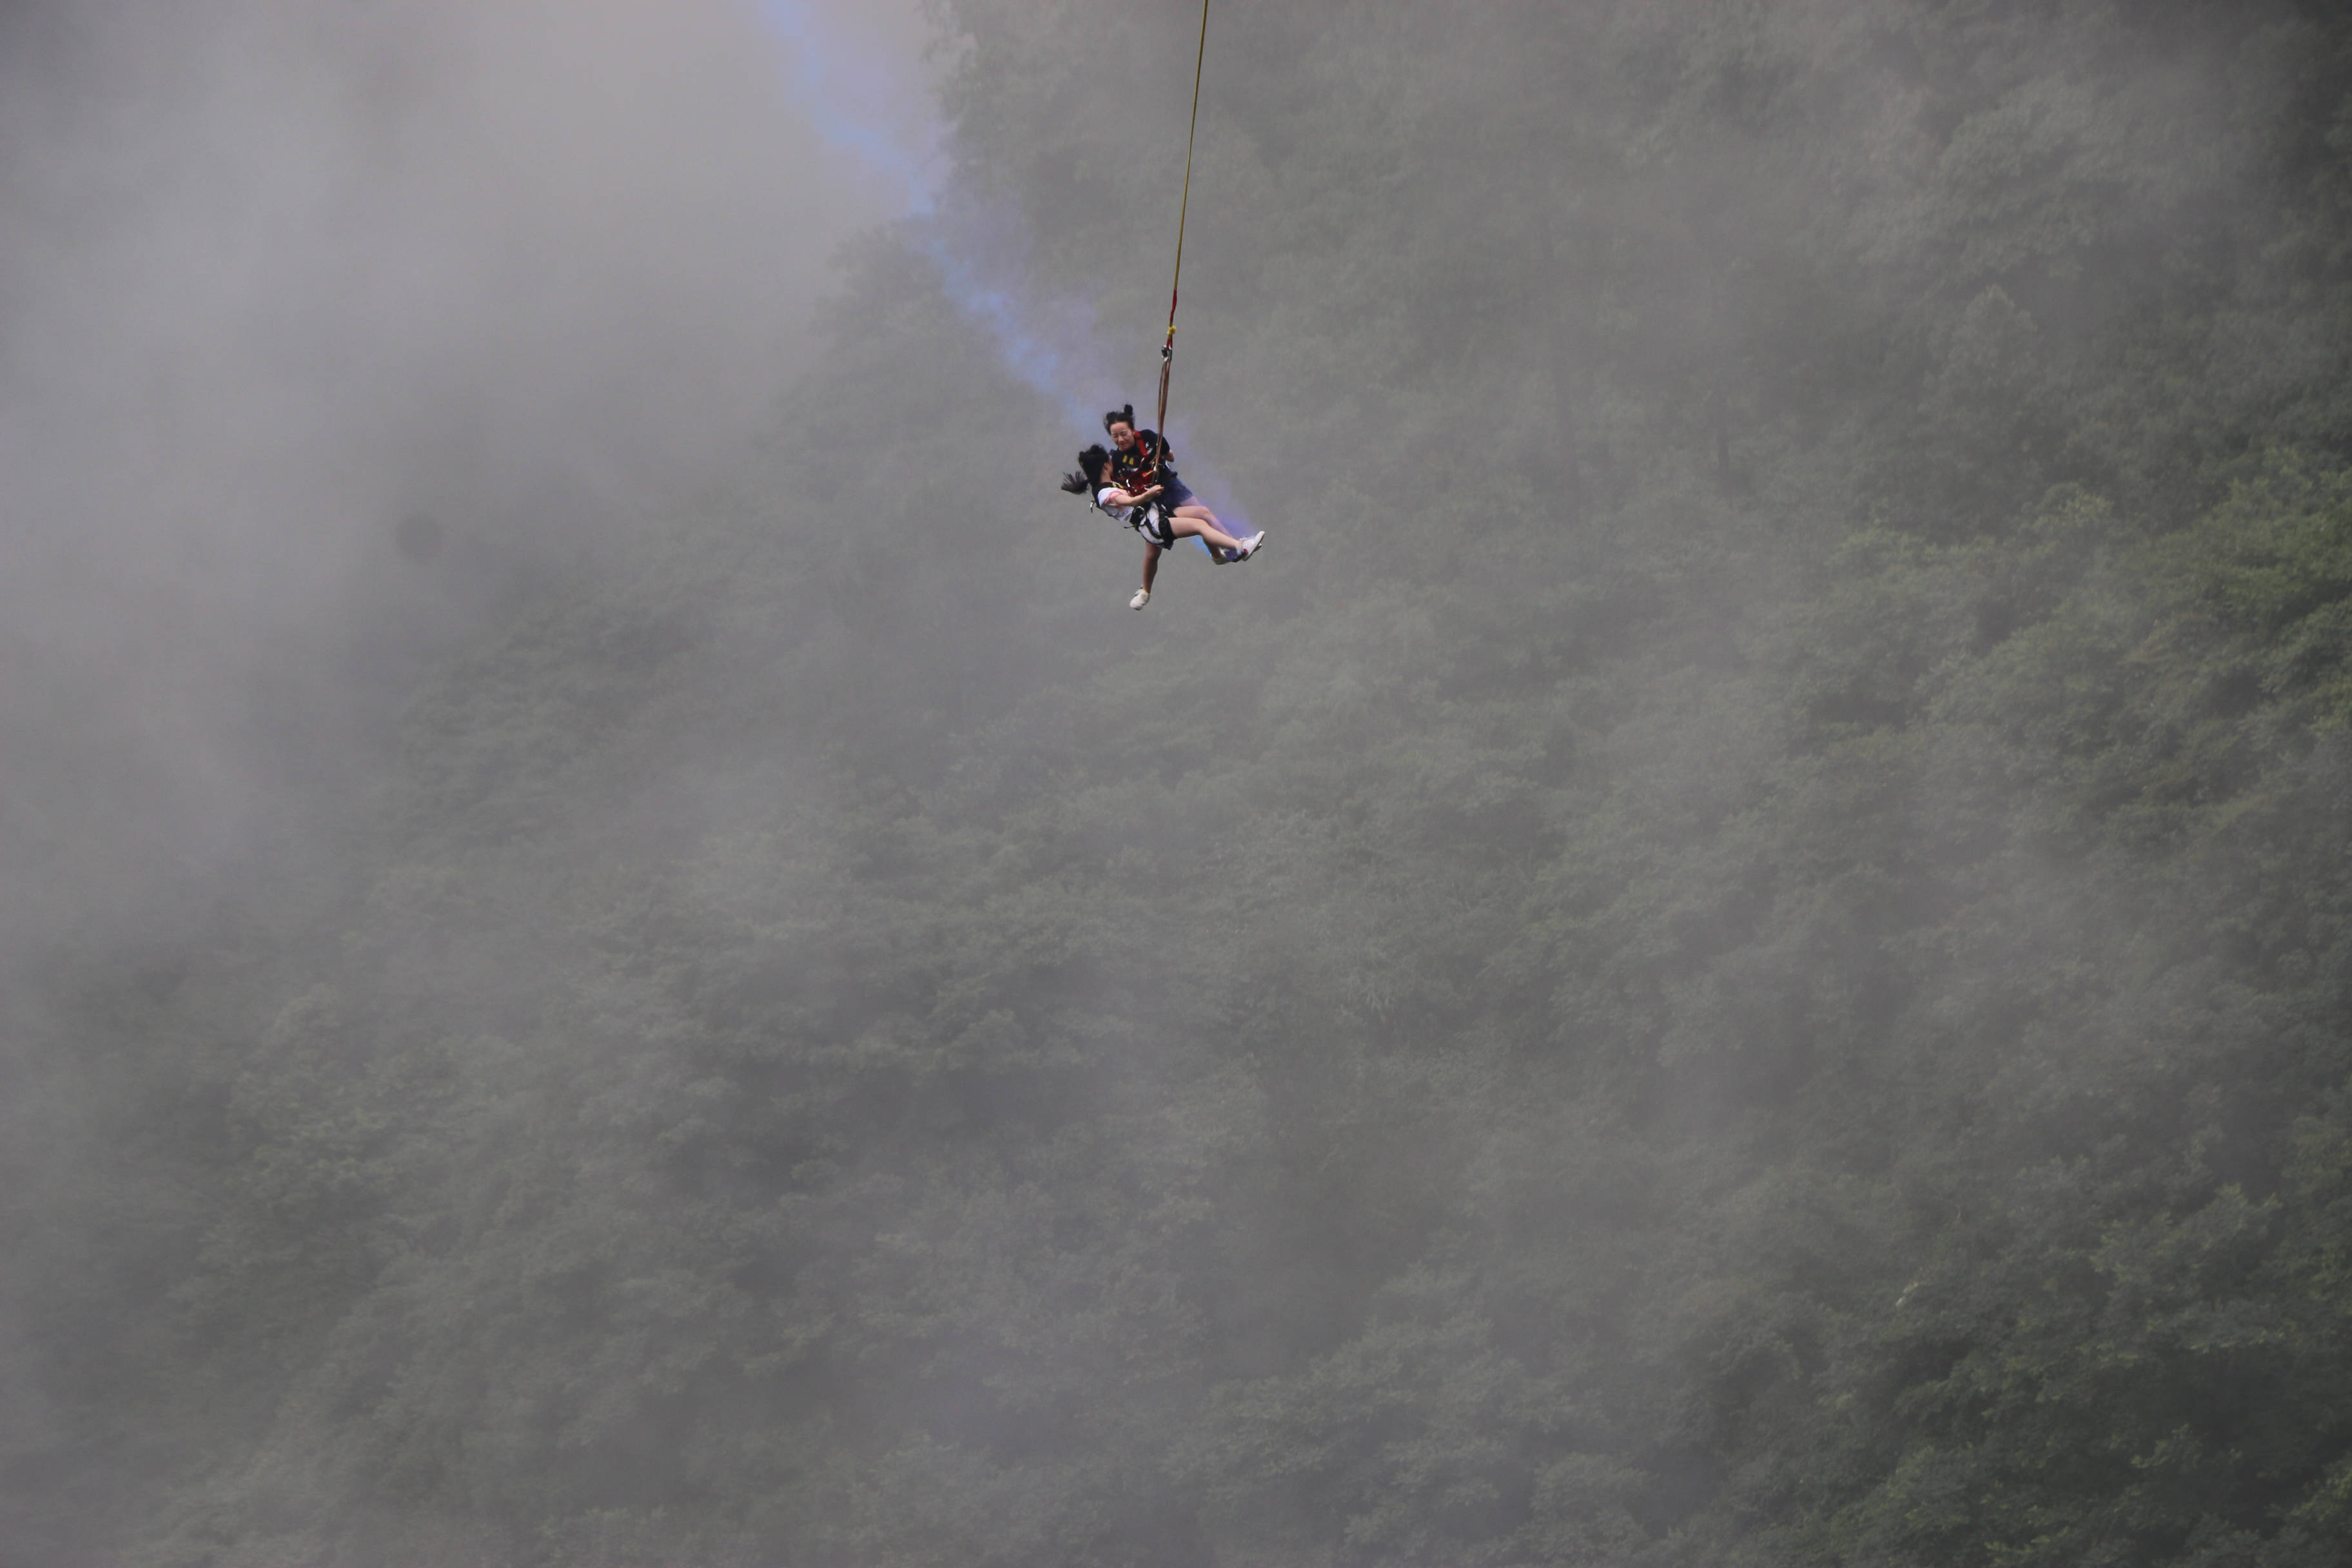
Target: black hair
x=1119, y=417
x=1091, y=463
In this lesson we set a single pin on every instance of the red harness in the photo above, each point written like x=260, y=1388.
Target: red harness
x=1132, y=470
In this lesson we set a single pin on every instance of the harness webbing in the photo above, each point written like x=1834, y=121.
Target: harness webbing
x=1168, y=349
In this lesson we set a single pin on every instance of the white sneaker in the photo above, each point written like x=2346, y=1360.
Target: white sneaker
x=1253, y=545
x=1142, y=597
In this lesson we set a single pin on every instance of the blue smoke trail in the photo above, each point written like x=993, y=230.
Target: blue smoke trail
x=983, y=256
x=866, y=103
x=862, y=103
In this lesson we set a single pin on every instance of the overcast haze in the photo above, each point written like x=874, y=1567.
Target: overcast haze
x=619, y=950
x=324, y=330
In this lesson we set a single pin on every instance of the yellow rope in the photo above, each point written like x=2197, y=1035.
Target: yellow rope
x=1168, y=349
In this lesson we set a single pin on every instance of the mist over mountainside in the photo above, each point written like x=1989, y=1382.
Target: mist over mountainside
x=1734, y=951
x=327, y=335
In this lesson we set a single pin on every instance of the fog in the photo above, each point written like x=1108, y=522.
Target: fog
x=619, y=950
x=325, y=333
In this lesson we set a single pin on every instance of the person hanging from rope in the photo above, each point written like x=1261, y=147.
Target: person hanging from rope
x=1141, y=464
x=1138, y=484
x=1146, y=511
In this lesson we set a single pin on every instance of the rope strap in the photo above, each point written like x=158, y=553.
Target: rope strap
x=1168, y=349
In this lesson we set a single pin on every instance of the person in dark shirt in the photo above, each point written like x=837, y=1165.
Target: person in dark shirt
x=1148, y=514
x=1140, y=466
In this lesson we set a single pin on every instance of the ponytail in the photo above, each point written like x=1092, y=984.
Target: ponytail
x=1091, y=463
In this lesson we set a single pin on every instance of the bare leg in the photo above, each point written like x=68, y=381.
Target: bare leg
x=1209, y=533
x=1195, y=511
x=1150, y=565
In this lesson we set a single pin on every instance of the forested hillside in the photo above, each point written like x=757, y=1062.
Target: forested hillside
x=1734, y=950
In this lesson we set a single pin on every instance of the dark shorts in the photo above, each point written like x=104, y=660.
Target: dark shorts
x=1178, y=494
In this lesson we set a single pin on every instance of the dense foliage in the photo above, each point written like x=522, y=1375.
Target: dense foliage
x=1734, y=950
